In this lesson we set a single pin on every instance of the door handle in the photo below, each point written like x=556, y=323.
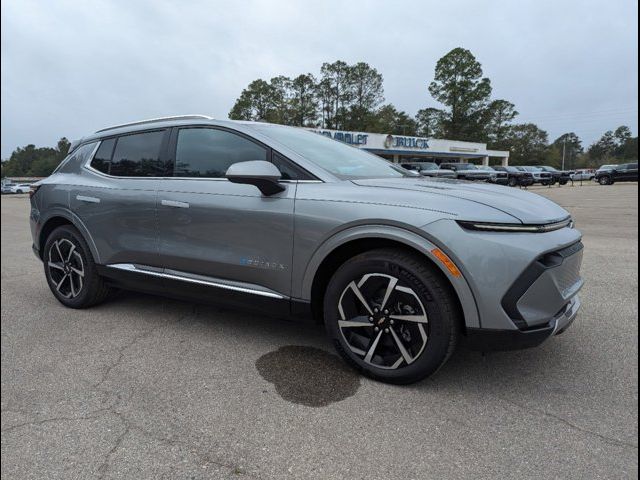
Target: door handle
x=84, y=198
x=174, y=203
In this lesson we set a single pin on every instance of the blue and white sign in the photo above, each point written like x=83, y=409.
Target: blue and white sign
x=352, y=138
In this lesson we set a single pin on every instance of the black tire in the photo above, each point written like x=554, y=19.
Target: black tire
x=544, y=183
x=564, y=182
x=19, y=191
x=431, y=293
x=513, y=182
x=605, y=180
x=76, y=291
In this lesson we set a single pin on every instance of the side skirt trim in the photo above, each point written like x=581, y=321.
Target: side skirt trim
x=130, y=267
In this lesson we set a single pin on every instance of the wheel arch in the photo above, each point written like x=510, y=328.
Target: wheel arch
x=344, y=245
x=59, y=218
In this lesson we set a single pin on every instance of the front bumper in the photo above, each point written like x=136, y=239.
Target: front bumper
x=520, y=281
x=487, y=340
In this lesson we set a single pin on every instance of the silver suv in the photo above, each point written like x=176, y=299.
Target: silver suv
x=284, y=221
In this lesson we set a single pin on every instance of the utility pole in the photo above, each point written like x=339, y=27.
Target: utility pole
x=564, y=148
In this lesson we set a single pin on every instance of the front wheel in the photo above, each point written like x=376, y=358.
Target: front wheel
x=70, y=269
x=391, y=316
x=513, y=182
x=605, y=180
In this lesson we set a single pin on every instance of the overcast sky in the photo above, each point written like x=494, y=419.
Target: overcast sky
x=71, y=67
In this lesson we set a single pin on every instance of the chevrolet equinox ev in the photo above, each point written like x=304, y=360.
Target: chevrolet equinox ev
x=281, y=220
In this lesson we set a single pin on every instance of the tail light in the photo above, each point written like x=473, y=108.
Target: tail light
x=33, y=189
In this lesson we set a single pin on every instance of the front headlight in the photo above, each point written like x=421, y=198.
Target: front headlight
x=516, y=228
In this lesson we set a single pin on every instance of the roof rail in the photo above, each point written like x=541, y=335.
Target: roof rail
x=159, y=119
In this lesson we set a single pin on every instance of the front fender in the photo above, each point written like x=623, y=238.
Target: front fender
x=387, y=232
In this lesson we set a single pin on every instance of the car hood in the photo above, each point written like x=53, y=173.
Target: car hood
x=525, y=206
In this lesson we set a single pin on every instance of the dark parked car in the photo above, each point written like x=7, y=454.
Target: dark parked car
x=627, y=172
x=516, y=177
x=557, y=176
x=428, y=169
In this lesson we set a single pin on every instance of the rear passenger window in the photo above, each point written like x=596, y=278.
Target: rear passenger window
x=102, y=159
x=138, y=155
x=208, y=153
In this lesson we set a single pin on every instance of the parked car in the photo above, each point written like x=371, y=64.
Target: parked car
x=606, y=167
x=469, y=171
x=582, y=175
x=557, y=176
x=627, y=172
x=539, y=175
x=6, y=188
x=287, y=222
x=516, y=177
x=428, y=169
x=497, y=176
x=20, y=187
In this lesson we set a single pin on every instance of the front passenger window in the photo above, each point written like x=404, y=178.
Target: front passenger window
x=208, y=152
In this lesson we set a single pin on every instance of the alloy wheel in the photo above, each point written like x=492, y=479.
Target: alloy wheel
x=66, y=268
x=382, y=321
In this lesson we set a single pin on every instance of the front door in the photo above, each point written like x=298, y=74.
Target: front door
x=215, y=232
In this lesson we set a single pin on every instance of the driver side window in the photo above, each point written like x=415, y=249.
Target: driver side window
x=208, y=152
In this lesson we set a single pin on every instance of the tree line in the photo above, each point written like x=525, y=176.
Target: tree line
x=32, y=161
x=351, y=97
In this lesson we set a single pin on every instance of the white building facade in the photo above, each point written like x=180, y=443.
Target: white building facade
x=402, y=148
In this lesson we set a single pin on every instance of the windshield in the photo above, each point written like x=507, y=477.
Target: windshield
x=466, y=166
x=342, y=160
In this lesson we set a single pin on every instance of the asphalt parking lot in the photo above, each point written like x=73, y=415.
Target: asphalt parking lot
x=147, y=387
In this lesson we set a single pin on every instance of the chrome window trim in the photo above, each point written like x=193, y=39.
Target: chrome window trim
x=130, y=267
x=87, y=166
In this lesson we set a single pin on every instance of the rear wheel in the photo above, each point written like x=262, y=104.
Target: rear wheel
x=391, y=316
x=70, y=269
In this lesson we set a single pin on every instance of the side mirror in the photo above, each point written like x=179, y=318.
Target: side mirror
x=262, y=174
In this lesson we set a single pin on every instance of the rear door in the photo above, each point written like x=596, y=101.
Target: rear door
x=117, y=201
x=212, y=230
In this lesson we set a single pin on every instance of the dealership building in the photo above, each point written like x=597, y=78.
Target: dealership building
x=401, y=148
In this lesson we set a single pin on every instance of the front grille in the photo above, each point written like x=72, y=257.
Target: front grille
x=565, y=266
x=568, y=274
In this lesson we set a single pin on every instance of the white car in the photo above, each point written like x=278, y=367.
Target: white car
x=20, y=188
x=583, y=174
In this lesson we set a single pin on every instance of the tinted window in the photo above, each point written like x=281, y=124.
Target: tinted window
x=102, y=159
x=138, y=155
x=206, y=152
x=289, y=170
x=78, y=156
